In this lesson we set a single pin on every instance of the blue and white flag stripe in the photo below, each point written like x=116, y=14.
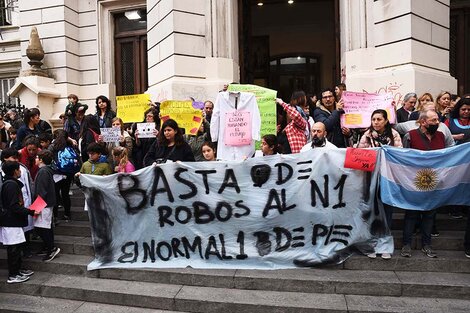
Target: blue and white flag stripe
x=424, y=180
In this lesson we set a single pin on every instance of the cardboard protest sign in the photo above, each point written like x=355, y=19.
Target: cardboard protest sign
x=110, y=134
x=183, y=113
x=266, y=99
x=131, y=108
x=358, y=108
x=146, y=130
x=281, y=211
x=238, y=128
x=360, y=159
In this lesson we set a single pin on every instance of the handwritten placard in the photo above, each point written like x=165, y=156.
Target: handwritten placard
x=360, y=159
x=266, y=99
x=183, y=113
x=238, y=128
x=146, y=130
x=358, y=108
x=110, y=134
x=131, y=108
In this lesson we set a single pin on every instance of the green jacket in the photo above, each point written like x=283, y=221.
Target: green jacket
x=97, y=168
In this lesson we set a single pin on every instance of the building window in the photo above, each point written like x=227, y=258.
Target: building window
x=6, y=7
x=5, y=86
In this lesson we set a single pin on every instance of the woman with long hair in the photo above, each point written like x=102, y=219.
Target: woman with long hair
x=443, y=105
x=270, y=145
x=31, y=118
x=89, y=133
x=104, y=114
x=121, y=160
x=142, y=145
x=380, y=133
x=60, y=144
x=170, y=145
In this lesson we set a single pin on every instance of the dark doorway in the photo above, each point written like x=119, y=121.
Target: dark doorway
x=131, y=52
x=459, y=61
x=289, y=47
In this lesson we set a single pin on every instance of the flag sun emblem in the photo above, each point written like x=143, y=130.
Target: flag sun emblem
x=426, y=179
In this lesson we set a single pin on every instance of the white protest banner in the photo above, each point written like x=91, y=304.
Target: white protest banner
x=146, y=130
x=110, y=134
x=358, y=108
x=281, y=211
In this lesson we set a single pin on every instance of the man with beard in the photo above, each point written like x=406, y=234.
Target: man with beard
x=319, y=140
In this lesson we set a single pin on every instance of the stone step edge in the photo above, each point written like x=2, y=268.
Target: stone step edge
x=337, y=280
x=200, y=299
x=38, y=304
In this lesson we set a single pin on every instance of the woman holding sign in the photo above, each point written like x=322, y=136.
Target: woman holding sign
x=380, y=133
x=104, y=114
x=143, y=142
x=170, y=145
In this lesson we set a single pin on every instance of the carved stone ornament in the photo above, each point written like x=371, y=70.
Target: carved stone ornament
x=35, y=54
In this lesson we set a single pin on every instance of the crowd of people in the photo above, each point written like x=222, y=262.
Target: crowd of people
x=38, y=162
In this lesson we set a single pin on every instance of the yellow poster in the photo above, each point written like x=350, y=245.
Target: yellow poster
x=353, y=119
x=183, y=113
x=131, y=108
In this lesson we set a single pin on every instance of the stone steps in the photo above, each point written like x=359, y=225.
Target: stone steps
x=38, y=304
x=396, y=280
x=177, y=297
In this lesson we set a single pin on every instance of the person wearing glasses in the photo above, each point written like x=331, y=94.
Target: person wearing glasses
x=328, y=111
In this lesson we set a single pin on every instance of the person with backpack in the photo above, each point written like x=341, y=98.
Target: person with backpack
x=44, y=188
x=13, y=216
x=67, y=160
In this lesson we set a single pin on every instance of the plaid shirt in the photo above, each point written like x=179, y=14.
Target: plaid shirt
x=295, y=130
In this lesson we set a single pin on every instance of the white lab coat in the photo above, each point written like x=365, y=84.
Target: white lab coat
x=225, y=103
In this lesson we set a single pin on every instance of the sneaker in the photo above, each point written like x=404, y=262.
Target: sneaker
x=70, y=193
x=429, y=252
x=372, y=255
x=435, y=233
x=51, y=255
x=406, y=251
x=386, y=256
x=17, y=279
x=456, y=216
x=467, y=253
x=26, y=272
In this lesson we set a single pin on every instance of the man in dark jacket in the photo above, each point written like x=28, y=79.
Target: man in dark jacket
x=15, y=217
x=329, y=112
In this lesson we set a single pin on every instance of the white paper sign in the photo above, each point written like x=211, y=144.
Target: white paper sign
x=110, y=134
x=146, y=130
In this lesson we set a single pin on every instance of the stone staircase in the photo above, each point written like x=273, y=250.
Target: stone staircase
x=417, y=284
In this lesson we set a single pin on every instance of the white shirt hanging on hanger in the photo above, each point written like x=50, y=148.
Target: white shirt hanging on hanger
x=225, y=105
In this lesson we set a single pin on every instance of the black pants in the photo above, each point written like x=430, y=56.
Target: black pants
x=14, y=259
x=47, y=236
x=467, y=230
x=62, y=189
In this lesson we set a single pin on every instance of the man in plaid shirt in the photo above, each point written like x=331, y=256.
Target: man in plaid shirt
x=295, y=130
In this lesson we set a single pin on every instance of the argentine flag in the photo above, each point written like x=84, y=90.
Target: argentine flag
x=424, y=180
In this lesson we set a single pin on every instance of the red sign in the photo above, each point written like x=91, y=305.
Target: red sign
x=360, y=159
x=38, y=204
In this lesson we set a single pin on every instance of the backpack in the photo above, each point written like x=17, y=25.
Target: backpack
x=68, y=161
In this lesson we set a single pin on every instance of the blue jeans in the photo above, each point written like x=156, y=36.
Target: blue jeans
x=426, y=226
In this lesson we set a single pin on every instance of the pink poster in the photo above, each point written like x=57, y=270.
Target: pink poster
x=358, y=108
x=238, y=128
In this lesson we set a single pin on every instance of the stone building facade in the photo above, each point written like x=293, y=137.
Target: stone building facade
x=175, y=49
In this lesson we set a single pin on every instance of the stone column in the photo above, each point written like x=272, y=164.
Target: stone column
x=192, y=47
x=406, y=47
